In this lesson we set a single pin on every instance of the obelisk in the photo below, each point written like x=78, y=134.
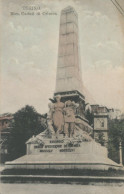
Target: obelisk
x=68, y=77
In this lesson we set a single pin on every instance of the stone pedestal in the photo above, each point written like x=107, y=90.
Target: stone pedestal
x=63, y=154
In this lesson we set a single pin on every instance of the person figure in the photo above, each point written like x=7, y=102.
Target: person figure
x=69, y=118
x=57, y=116
x=50, y=118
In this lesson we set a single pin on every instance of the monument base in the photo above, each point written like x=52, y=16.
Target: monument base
x=64, y=154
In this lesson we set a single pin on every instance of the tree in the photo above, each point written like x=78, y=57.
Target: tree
x=116, y=134
x=89, y=116
x=26, y=124
x=100, y=138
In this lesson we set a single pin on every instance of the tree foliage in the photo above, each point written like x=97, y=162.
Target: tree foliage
x=100, y=138
x=89, y=116
x=26, y=124
x=116, y=135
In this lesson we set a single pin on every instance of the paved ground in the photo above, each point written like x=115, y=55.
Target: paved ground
x=59, y=189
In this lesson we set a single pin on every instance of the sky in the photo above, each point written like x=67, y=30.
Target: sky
x=29, y=49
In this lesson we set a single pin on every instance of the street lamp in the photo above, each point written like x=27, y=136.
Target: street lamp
x=120, y=153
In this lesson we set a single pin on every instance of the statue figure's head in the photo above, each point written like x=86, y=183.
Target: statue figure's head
x=58, y=98
x=68, y=103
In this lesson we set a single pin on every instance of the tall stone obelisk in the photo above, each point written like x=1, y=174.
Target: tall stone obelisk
x=68, y=78
x=68, y=67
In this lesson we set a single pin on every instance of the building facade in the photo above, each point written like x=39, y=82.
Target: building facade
x=100, y=122
x=6, y=121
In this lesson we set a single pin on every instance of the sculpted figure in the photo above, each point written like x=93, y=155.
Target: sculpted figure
x=69, y=118
x=57, y=116
x=51, y=110
x=50, y=118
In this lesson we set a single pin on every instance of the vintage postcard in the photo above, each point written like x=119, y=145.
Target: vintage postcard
x=62, y=96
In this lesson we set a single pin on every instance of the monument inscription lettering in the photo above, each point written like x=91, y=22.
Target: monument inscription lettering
x=53, y=146
x=38, y=146
x=46, y=150
x=67, y=150
x=56, y=141
x=76, y=145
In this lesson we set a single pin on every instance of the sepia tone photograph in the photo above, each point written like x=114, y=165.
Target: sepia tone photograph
x=61, y=96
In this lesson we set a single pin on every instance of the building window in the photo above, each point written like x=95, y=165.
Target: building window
x=102, y=124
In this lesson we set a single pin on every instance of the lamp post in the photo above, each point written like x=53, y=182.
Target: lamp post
x=120, y=152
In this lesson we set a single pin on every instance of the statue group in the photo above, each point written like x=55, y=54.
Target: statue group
x=61, y=117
